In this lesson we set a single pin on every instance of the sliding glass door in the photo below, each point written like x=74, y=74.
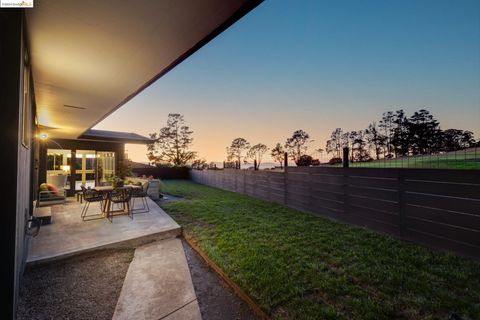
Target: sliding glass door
x=105, y=167
x=85, y=169
x=59, y=163
x=90, y=168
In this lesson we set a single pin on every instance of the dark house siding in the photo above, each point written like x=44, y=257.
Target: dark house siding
x=18, y=150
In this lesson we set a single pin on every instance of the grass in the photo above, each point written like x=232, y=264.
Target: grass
x=297, y=266
x=464, y=159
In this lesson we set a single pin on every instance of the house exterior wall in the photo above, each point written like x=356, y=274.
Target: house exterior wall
x=17, y=145
x=74, y=145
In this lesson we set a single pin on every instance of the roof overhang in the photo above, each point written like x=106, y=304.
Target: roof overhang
x=115, y=136
x=90, y=57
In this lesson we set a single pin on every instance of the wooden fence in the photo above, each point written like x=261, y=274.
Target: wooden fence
x=437, y=208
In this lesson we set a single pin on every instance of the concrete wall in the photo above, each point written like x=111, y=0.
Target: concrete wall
x=434, y=207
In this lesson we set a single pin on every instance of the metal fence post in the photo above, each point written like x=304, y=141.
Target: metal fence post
x=401, y=202
x=345, y=157
x=285, y=190
x=346, y=204
x=244, y=181
x=285, y=160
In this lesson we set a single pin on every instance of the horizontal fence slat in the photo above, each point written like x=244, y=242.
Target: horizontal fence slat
x=442, y=243
x=357, y=211
x=313, y=170
x=447, y=189
x=444, y=230
x=339, y=197
x=385, y=183
x=448, y=217
x=332, y=179
x=381, y=205
x=374, y=172
x=322, y=187
x=325, y=203
x=373, y=224
x=301, y=177
x=373, y=193
x=450, y=175
x=330, y=211
x=471, y=206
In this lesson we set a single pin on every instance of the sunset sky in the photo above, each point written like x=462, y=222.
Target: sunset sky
x=318, y=65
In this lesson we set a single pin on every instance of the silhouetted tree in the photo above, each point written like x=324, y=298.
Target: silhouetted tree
x=256, y=152
x=468, y=140
x=320, y=152
x=375, y=139
x=387, y=126
x=424, y=133
x=278, y=154
x=200, y=164
x=348, y=141
x=236, y=150
x=360, y=149
x=297, y=145
x=456, y=139
x=171, y=145
x=398, y=135
x=334, y=145
x=401, y=134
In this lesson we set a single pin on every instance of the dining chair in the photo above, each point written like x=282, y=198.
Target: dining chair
x=119, y=196
x=142, y=194
x=90, y=196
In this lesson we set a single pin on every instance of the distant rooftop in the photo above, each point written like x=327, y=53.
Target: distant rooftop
x=114, y=136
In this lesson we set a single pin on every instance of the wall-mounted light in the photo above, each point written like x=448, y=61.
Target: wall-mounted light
x=44, y=137
x=65, y=168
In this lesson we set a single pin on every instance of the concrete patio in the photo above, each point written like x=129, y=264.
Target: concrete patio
x=69, y=235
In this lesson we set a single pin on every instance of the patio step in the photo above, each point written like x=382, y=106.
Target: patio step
x=68, y=235
x=158, y=285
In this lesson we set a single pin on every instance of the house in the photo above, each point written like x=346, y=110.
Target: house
x=64, y=67
x=92, y=159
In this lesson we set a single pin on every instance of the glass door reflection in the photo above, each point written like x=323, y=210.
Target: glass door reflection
x=85, y=169
x=105, y=167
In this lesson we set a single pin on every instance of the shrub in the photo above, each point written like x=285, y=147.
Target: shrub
x=304, y=161
x=334, y=161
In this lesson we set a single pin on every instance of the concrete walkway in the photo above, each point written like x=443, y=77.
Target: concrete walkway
x=158, y=285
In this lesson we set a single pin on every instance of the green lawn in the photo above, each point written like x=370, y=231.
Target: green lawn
x=297, y=266
x=464, y=159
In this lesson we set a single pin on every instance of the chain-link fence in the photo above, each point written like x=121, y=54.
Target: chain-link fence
x=460, y=159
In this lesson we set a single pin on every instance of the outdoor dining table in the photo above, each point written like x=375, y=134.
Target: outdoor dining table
x=106, y=190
